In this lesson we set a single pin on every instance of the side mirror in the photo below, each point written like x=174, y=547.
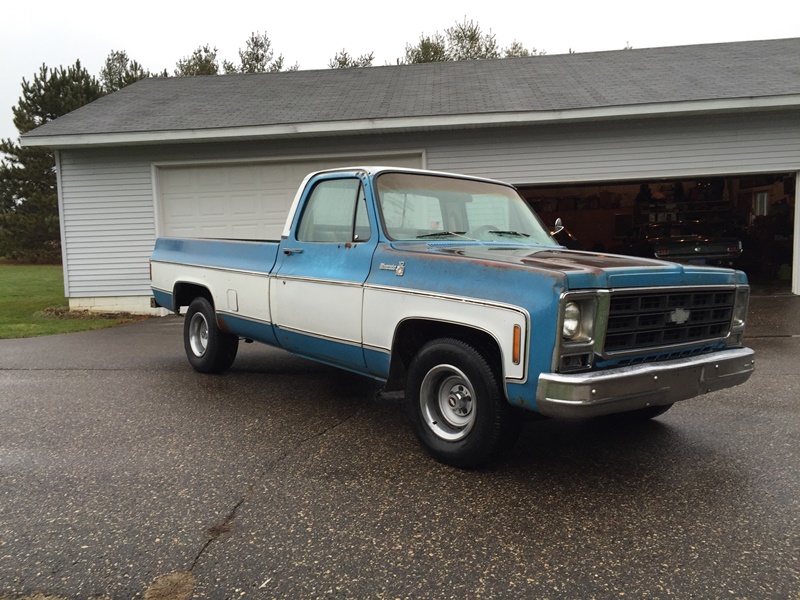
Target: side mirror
x=558, y=228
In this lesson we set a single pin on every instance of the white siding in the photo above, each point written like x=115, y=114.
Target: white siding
x=109, y=224
x=109, y=198
x=620, y=150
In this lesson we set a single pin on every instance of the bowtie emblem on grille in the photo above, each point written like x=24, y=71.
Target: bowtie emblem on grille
x=679, y=316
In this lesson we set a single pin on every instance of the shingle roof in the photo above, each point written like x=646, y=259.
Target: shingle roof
x=543, y=83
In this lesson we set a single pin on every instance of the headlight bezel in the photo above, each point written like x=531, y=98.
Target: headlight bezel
x=576, y=351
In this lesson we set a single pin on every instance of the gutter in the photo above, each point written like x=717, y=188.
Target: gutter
x=401, y=124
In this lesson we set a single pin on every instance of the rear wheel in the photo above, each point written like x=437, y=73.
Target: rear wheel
x=457, y=406
x=208, y=348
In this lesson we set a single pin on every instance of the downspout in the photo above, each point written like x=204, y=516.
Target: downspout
x=796, y=237
x=62, y=224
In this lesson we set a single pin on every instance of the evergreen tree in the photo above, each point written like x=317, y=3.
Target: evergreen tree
x=257, y=57
x=466, y=41
x=119, y=71
x=516, y=50
x=428, y=49
x=29, y=228
x=343, y=60
x=462, y=41
x=203, y=61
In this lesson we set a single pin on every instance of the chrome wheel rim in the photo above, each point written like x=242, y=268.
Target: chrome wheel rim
x=447, y=403
x=198, y=334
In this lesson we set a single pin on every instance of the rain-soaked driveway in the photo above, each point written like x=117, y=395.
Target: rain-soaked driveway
x=282, y=478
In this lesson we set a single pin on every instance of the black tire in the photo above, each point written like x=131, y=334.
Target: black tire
x=457, y=405
x=208, y=348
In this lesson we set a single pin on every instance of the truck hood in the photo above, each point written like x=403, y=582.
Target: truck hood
x=585, y=270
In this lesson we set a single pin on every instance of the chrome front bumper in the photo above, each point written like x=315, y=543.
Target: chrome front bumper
x=610, y=391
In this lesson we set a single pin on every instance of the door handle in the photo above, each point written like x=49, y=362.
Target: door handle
x=288, y=251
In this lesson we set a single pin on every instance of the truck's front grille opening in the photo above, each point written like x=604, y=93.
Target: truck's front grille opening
x=653, y=319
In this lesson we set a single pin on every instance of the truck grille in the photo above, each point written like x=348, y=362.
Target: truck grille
x=655, y=319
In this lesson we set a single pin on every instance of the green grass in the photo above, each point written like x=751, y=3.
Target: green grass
x=28, y=290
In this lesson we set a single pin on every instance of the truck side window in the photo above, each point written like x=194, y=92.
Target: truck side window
x=335, y=212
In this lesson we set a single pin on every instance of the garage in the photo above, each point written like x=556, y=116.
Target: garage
x=242, y=200
x=613, y=143
x=752, y=212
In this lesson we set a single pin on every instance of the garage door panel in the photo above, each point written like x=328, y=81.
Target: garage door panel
x=247, y=201
x=181, y=206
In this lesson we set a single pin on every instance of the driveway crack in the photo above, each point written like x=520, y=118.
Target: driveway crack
x=225, y=526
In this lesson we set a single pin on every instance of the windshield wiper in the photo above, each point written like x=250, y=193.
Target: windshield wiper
x=444, y=234
x=514, y=233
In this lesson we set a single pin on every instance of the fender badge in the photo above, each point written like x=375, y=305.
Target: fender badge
x=398, y=269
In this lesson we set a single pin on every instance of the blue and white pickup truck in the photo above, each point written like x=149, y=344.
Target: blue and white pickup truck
x=450, y=288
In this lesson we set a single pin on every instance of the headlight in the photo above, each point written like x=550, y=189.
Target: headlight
x=740, y=308
x=572, y=320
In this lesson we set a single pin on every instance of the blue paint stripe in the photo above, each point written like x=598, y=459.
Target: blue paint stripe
x=349, y=357
x=163, y=299
x=377, y=362
x=252, y=330
x=253, y=256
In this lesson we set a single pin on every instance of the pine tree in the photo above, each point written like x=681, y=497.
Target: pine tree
x=257, y=57
x=203, y=61
x=343, y=60
x=120, y=71
x=466, y=41
x=29, y=227
x=428, y=49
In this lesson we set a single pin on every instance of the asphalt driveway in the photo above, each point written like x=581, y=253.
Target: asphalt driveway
x=283, y=478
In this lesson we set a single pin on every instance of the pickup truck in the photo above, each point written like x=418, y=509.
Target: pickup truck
x=451, y=289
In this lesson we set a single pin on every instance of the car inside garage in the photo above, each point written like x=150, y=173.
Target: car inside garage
x=744, y=221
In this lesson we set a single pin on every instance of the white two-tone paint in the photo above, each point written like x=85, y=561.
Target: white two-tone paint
x=385, y=308
x=241, y=293
x=351, y=314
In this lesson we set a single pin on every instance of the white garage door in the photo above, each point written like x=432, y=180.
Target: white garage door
x=242, y=201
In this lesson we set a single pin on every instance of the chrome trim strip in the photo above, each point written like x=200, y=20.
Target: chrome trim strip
x=623, y=389
x=679, y=288
x=243, y=317
x=470, y=300
x=319, y=336
x=225, y=269
x=377, y=349
x=280, y=277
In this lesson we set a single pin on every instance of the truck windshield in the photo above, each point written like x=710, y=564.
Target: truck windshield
x=415, y=206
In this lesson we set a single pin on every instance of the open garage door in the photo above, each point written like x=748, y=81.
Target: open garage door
x=755, y=211
x=243, y=200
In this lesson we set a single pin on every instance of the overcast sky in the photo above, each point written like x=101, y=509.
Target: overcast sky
x=157, y=34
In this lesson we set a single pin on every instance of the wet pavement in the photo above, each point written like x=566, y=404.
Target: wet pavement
x=283, y=478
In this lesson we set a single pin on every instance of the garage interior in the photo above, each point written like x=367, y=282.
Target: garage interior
x=757, y=209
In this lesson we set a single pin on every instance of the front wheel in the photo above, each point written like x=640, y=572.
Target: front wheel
x=208, y=348
x=456, y=405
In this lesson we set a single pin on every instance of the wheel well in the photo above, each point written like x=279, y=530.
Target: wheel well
x=413, y=334
x=184, y=293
